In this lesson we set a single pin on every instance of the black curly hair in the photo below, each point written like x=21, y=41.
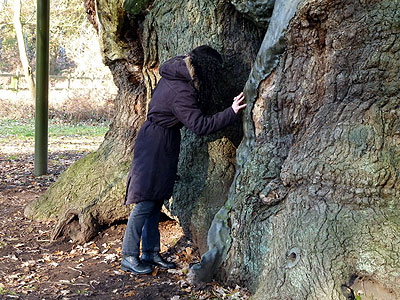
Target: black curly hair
x=207, y=64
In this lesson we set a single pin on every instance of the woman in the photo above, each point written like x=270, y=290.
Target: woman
x=153, y=171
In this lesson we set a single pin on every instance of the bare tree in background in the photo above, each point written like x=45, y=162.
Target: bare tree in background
x=21, y=48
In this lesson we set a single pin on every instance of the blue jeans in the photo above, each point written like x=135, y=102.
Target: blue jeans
x=142, y=224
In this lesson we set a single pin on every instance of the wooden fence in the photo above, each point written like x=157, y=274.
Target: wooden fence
x=16, y=82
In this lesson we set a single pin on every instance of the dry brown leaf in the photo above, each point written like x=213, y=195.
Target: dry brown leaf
x=129, y=294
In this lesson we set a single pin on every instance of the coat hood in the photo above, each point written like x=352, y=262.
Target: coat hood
x=175, y=69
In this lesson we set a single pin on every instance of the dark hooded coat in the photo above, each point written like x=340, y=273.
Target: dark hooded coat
x=173, y=105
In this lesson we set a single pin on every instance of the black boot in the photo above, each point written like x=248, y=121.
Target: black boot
x=134, y=265
x=154, y=258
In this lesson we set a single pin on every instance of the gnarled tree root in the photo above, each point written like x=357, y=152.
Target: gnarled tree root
x=80, y=226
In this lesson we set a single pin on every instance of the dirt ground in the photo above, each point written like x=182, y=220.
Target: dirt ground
x=33, y=267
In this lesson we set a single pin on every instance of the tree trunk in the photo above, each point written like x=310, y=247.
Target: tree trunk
x=22, y=49
x=314, y=210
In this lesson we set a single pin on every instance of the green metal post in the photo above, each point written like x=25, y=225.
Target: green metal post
x=42, y=87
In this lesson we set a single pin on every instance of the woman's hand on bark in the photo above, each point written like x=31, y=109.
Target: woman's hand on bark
x=237, y=106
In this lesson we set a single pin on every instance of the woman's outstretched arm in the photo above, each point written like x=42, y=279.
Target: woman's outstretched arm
x=186, y=109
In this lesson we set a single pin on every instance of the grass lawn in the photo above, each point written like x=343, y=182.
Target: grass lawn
x=25, y=129
x=18, y=136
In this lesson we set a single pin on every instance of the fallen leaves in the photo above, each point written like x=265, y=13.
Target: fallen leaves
x=155, y=272
x=129, y=294
x=110, y=258
x=188, y=251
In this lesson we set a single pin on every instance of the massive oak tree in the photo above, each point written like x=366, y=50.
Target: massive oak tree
x=307, y=206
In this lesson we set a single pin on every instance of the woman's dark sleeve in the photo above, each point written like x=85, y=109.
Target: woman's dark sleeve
x=186, y=110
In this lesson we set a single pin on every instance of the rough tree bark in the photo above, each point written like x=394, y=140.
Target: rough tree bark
x=314, y=210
